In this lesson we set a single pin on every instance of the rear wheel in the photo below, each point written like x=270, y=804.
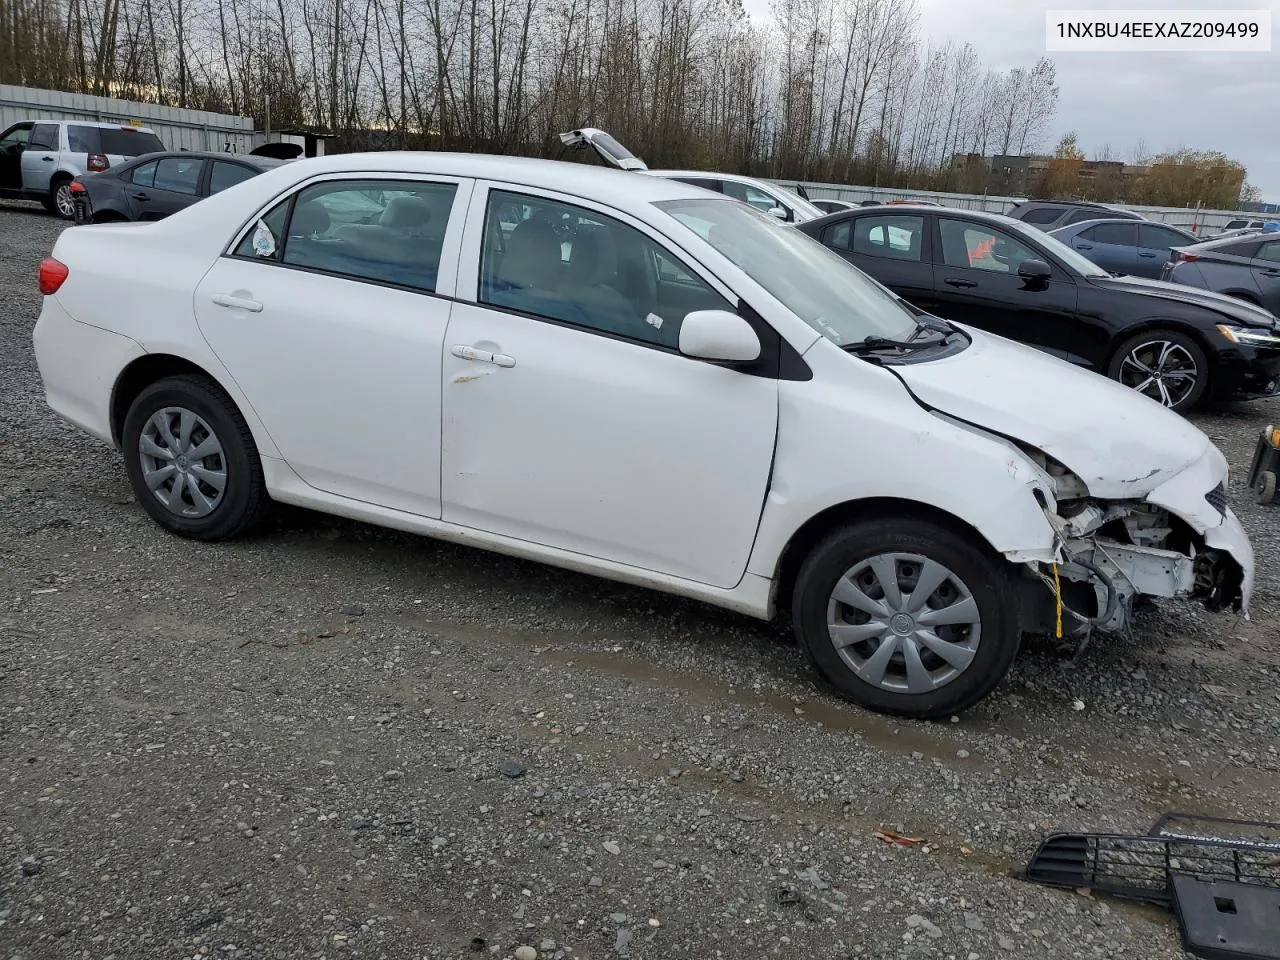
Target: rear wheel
x=192, y=461
x=906, y=617
x=1165, y=365
x=60, y=201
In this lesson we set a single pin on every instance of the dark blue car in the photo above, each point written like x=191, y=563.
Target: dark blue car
x=1138, y=248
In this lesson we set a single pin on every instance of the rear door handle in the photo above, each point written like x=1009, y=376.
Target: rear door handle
x=1084, y=246
x=954, y=282
x=140, y=196
x=47, y=159
x=1149, y=256
x=236, y=303
x=463, y=352
x=1273, y=272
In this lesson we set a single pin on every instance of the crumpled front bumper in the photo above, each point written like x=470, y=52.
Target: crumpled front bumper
x=1211, y=559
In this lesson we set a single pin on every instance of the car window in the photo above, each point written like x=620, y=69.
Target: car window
x=128, y=142
x=144, y=175
x=266, y=240
x=15, y=139
x=1241, y=248
x=1160, y=237
x=83, y=139
x=567, y=263
x=178, y=175
x=44, y=136
x=815, y=283
x=1123, y=234
x=894, y=238
x=1080, y=216
x=706, y=183
x=981, y=248
x=1041, y=215
x=225, y=175
x=749, y=194
x=1235, y=224
x=387, y=231
x=838, y=235
x=1269, y=251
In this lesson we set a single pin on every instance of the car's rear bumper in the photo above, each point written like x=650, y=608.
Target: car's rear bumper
x=79, y=365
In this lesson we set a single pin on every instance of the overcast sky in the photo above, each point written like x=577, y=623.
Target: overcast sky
x=1210, y=101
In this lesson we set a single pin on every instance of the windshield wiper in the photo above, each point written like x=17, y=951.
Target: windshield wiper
x=878, y=344
x=931, y=324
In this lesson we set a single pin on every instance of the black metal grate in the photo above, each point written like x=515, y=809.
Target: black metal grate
x=1217, y=498
x=1138, y=868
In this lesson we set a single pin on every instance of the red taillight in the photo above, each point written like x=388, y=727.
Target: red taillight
x=52, y=274
x=1187, y=257
x=98, y=163
x=77, y=187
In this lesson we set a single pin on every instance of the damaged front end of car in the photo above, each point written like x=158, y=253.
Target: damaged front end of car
x=1176, y=538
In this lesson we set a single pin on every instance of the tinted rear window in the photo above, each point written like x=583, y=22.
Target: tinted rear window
x=114, y=141
x=1122, y=234
x=1039, y=215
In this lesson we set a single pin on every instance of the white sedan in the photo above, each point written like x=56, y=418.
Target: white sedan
x=631, y=377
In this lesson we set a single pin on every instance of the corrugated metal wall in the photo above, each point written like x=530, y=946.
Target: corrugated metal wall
x=179, y=129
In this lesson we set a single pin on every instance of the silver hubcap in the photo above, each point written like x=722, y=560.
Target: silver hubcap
x=182, y=462
x=1162, y=370
x=904, y=623
x=62, y=197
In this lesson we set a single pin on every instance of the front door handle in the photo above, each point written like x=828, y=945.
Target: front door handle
x=47, y=159
x=236, y=303
x=1273, y=272
x=1084, y=246
x=464, y=352
x=955, y=282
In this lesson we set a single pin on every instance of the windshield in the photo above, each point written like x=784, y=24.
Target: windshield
x=800, y=205
x=1051, y=244
x=825, y=291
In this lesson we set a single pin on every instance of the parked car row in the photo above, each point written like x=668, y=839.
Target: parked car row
x=634, y=377
x=1077, y=280
x=40, y=159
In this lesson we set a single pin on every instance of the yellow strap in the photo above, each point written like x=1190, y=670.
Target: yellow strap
x=1057, y=596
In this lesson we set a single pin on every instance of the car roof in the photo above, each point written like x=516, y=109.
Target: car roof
x=100, y=124
x=620, y=188
x=263, y=163
x=1216, y=242
x=978, y=216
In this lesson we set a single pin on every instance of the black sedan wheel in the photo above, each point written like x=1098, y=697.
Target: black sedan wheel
x=1167, y=366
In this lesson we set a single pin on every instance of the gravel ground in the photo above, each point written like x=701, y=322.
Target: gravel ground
x=333, y=740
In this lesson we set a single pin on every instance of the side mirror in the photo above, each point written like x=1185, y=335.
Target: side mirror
x=780, y=213
x=1036, y=271
x=719, y=336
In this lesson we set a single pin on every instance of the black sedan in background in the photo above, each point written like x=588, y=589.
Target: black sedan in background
x=1175, y=344
x=154, y=185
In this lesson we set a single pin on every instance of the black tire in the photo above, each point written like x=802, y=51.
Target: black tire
x=1264, y=488
x=985, y=577
x=244, y=502
x=1116, y=369
x=51, y=201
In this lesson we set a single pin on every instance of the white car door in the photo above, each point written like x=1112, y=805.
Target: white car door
x=570, y=418
x=330, y=313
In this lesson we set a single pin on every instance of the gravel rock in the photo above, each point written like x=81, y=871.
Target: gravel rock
x=526, y=952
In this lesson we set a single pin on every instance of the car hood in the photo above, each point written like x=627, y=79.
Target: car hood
x=1237, y=310
x=1121, y=444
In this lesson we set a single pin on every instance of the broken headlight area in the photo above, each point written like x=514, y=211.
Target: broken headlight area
x=1114, y=554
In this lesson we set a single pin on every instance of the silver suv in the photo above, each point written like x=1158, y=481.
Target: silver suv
x=39, y=159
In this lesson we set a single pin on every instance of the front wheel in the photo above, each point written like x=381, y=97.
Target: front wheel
x=192, y=461
x=1165, y=365
x=906, y=617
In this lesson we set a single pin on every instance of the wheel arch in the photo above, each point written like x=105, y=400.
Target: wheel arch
x=811, y=532
x=149, y=368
